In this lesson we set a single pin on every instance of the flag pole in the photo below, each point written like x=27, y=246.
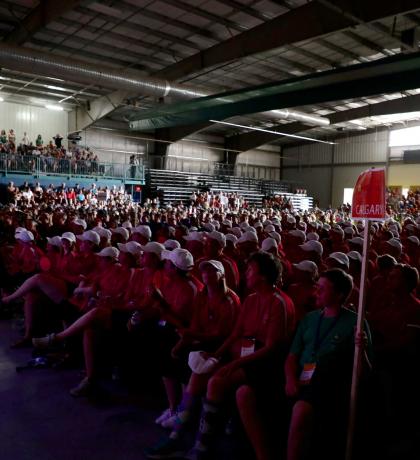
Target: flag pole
x=359, y=347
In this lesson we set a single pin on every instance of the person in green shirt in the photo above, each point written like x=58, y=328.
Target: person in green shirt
x=319, y=365
x=3, y=137
x=39, y=142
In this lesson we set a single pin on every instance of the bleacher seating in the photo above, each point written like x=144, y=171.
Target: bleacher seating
x=176, y=186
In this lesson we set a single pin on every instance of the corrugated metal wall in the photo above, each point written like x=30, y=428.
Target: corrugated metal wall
x=32, y=120
x=312, y=154
x=315, y=165
x=317, y=181
x=113, y=146
x=368, y=148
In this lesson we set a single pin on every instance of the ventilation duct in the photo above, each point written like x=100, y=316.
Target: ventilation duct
x=40, y=63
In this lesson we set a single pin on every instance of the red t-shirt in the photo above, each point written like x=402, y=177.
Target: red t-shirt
x=268, y=318
x=216, y=316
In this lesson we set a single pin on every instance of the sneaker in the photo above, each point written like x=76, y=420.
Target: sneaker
x=163, y=416
x=43, y=342
x=166, y=448
x=170, y=421
x=85, y=388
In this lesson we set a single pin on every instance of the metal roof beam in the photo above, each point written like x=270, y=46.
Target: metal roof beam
x=286, y=29
x=252, y=140
x=47, y=11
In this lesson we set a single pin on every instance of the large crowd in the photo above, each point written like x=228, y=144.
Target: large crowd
x=247, y=310
x=47, y=156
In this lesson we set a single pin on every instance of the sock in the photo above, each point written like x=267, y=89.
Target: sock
x=209, y=419
x=185, y=410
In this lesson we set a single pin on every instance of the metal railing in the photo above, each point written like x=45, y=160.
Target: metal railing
x=204, y=166
x=50, y=166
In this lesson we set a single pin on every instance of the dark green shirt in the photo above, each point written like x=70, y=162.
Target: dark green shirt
x=338, y=339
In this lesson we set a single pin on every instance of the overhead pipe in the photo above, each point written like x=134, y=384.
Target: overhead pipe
x=49, y=65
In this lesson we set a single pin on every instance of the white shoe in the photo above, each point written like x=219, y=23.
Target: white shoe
x=163, y=416
x=170, y=421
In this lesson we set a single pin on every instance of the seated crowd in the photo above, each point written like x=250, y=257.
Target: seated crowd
x=50, y=157
x=249, y=311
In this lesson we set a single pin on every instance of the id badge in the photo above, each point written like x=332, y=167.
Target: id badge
x=248, y=347
x=307, y=373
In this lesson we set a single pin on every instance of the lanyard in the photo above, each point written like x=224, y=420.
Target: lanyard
x=319, y=340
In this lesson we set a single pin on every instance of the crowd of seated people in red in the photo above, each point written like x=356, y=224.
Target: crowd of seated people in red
x=253, y=308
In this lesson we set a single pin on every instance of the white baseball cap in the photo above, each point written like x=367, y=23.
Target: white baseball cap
x=269, y=243
x=258, y=225
x=20, y=229
x=354, y=255
x=219, y=237
x=121, y=231
x=181, y=258
x=312, y=236
x=25, y=236
x=199, y=364
x=144, y=230
x=414, y=240
x=127, y=224
x=269, y=228
x=214, y=263
x=236, y=231
x=307, y=266
x=110, y=251
x=227, y=223
x=194, y=236
x=232, y=238
x=298, y=234
x=248, y=237
x=276, y=236
x=171, y=244
x=340, y=257
x=395, y=243
x=291, y=220
x=103, y=232
x=81, y=223
x=132, y=247
x=209, y=227
x=313, y=245
x=153, y=247
x=326, y=227
x=70, y=236
x=91, y=236
x=54, y=241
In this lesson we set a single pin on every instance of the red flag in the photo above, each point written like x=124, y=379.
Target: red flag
x=369, y=195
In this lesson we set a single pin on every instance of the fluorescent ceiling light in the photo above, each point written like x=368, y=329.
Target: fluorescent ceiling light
x=58, y=88
x=54, y=107
x=1, y=99
x=294, y=136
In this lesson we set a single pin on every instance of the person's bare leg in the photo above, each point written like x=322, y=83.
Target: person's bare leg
x=218, y=385
x=173, y=392
x=95, y=318
x=53, y=288
x=197, y=384
x=300, y=430
x=247, y=406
